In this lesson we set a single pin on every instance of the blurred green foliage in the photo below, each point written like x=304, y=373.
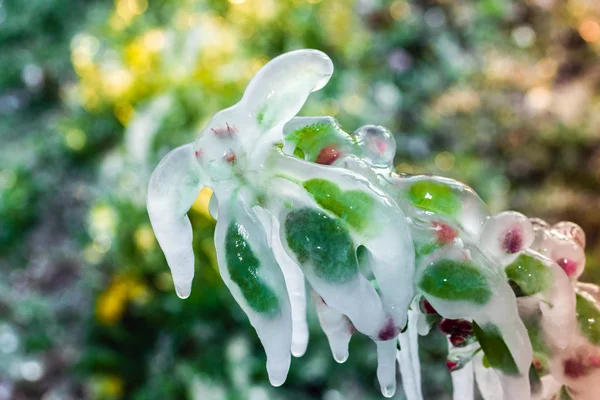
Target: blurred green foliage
x=500, y=94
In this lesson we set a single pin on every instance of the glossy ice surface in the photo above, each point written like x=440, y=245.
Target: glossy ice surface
x=297, y=199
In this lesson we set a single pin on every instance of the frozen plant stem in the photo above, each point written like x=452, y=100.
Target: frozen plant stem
x=301, y=200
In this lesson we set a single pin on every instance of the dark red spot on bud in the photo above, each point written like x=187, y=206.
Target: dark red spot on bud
x=513, y=240
x=445, y=234
x=198, y=153
x=537, y=364
x=574, y=368
x=458, y=340
x=451, y=365
x=389, y=331
x=569, y=266
x=426, y=307
x=328, y=155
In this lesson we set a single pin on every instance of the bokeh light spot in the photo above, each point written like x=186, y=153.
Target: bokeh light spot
x=75, y=139
x=445, y=160
x=399, y=10
x=538, y=98
x=590, y=30
x=524, y=36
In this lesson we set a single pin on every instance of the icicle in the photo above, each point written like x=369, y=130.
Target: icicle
x=386, y=367
x=294, y=281
x=413, y=338
x=173, y=187
x=463, y=383
x=336, y=326
x=407, y=371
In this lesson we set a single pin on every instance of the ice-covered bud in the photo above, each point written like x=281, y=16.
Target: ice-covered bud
x=564, y=243
x=505, y=235
x=572, y=231
x=377, y=145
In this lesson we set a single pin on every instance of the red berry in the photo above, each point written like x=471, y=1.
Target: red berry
x=458, y=340
x=426, y=307
x=328, y=155
x=448, y=326
x=464, y=326
x=451, y=365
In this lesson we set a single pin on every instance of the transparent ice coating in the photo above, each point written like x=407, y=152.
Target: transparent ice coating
x=453, y=233
x=563, y=243
x=299, y=200
x=281, y=220
x=572, y=330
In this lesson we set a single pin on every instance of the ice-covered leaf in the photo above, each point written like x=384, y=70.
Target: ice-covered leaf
x=352, y=206
x=495, y=349
x=455, y=280
x=530, y=274
x=588, y=315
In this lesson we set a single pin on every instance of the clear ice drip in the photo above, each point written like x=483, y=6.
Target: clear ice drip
x=298, y=199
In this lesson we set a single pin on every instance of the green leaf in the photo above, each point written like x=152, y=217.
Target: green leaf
x=352, y=206
x=434, y=197
x=243, y=268
x=311, y=139
x=564, y=394
x=530, y=273
x=423, y=249
x=495, y=349
x=534, y=380
x=322, y=242
x=299, y=153
x=485, y=362
x=455, y=280
x=588, y=316
x=540, y=350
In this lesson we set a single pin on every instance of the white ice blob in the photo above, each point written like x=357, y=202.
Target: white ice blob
x=173, y=187
x=505, y=235
x=463, y=382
